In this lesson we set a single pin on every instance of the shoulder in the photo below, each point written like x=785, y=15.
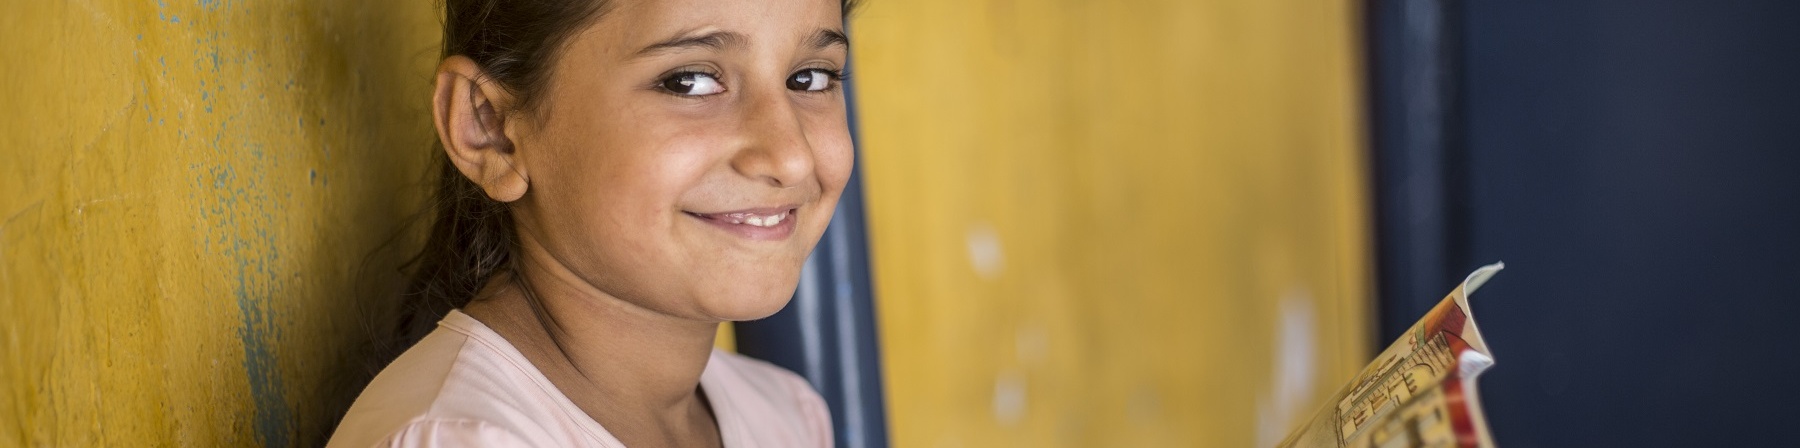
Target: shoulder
x=462, y=385
x=776, y=406
x=766, y=376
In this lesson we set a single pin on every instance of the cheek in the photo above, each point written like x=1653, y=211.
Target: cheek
x=833, y=155
x=615, y=188
x=636, y=168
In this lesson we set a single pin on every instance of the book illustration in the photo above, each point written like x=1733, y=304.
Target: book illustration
x=1417, y=393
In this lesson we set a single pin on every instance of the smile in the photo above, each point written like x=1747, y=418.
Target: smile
x=759, y=224
x=750, y=218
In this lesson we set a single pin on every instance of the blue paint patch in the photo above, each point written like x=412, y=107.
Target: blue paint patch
x=244, y=213
x=243, y=209
x=273, y=415
x=160, y=6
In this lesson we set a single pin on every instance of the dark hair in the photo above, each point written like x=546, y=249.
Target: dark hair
x=472, y=236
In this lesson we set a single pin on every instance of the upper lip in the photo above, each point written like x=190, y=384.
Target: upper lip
x=759, y=211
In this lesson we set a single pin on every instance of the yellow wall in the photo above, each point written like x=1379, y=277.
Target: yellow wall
x=188, y=190
x=1090, y=220
x=1098, y=223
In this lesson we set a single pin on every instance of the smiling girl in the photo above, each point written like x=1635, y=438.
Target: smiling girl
x=618, y=178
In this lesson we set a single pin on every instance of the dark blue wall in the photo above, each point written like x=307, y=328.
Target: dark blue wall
x=1637, y=165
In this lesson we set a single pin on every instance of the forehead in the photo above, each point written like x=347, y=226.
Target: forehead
x=629, y=25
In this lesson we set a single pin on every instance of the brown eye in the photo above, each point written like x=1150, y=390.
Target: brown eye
x=692, y=84
x=812, y=80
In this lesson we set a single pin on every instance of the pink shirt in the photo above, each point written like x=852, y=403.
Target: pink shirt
x=464, y=385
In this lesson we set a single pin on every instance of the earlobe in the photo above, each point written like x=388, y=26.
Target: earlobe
x=509, y=184
x=470, y=114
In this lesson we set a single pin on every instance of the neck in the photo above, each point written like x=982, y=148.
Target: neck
x=631, y=368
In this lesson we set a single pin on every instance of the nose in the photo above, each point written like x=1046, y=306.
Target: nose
x=774, y=145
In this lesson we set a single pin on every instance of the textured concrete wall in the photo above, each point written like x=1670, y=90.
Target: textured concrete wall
x=188, y=192
x=1113, y=223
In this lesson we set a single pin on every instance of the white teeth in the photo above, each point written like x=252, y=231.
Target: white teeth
x=755, y=220
x=765, y=221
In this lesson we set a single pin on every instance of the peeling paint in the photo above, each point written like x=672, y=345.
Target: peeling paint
x=174, y=268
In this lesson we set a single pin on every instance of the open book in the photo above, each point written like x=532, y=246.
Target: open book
x=1420, y=392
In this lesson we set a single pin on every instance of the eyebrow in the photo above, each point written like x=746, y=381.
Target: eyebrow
x=825, y=38
x=714, y=40
x=717, y=40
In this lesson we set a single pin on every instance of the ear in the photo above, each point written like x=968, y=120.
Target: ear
x=468, y=110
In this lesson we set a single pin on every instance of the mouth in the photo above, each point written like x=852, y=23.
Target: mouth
x=764, y=224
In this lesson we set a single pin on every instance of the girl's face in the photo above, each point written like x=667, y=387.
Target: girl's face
x=688, y=154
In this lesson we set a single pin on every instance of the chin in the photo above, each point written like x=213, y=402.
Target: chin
x=753, y=302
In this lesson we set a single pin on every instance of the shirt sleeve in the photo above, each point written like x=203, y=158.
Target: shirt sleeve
x=440, y=433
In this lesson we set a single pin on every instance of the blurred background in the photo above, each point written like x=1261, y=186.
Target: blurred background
x=1125, y=223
